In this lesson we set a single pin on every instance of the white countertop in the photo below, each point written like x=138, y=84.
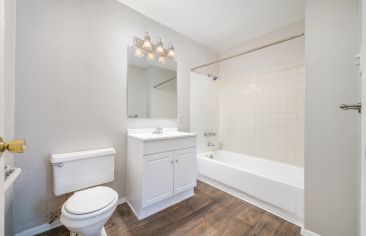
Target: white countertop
x=168, y=133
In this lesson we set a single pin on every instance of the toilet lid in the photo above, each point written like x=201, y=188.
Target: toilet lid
x=90, y=200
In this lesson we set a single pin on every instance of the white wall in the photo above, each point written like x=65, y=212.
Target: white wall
x=288, y=53
x=71, y=70
x=331, y=139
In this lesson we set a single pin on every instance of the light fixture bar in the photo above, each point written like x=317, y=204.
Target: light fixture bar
x=138, y=43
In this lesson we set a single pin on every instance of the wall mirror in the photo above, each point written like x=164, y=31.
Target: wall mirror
x=152, y=87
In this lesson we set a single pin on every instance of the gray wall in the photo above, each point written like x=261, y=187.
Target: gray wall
x=331, y=139
x=71, y=88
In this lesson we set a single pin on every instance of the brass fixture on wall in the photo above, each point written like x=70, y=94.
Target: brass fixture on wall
x=15, y=146
x=145, y=45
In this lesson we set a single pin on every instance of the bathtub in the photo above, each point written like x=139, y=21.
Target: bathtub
x=275, y=187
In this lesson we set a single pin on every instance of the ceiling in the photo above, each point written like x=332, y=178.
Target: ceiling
x=221, y=24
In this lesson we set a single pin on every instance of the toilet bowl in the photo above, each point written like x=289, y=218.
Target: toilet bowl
x=82, y=173
x=86, y=211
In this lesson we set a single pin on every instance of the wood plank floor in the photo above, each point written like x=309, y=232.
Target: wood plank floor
x=209, y=212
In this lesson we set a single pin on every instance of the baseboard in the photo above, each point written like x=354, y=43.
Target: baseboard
x=40, y=229
x=133, y=210
x=45, y=227
x=258, y=203
x=306, y=232
x=121, y=200
x=159, y=206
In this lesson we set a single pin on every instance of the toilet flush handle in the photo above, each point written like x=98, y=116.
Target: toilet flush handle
x=58, y=164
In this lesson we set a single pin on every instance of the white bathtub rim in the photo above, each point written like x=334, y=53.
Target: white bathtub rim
x=254, y=201
x=252, y=157
x=301, y=186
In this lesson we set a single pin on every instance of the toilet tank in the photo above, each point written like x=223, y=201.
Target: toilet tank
x=78, y=170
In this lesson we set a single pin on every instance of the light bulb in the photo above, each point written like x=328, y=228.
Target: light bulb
x=147, y=41
x=171, y=52
x=162, y=59
x=159, y=47
x=139, y=52
x=150, y=56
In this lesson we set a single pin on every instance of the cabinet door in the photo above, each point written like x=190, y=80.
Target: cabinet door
x=185, y=169
x=157, y=178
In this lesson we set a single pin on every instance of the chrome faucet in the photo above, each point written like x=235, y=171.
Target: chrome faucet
x=209, y=144
x=158, y=130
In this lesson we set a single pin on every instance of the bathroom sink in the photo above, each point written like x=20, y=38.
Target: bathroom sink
x=148, y=134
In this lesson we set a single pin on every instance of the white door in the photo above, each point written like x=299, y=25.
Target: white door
x=2, y=115
x=158, y=178
x=184, y=170
x=7, y=77
x=363, y=123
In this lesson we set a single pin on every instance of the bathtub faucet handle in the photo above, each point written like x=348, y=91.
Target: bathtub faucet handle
x=209, y=134
x=210, y=144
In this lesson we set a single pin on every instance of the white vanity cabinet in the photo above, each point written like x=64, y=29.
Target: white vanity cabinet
x=161, y=170
x=184, y=170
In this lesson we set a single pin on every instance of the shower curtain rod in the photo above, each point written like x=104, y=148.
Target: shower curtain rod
x=166, y=81
x=250, y=50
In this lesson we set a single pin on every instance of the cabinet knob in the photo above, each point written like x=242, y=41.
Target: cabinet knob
x=176, y=161
x=171, y=162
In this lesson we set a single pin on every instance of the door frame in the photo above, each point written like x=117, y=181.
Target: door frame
x=362, y=220
x=2, y=116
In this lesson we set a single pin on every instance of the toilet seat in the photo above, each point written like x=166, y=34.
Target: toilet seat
x=90, y=202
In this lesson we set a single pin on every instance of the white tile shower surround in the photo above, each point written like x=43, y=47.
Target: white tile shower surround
x=262, y=114
x=204, y=109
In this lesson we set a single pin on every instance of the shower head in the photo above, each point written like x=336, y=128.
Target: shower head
x=214, y=77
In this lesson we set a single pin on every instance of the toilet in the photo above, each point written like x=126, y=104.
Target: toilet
x=91, y=205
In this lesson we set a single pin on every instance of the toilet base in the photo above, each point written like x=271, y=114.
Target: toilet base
x=102, y=233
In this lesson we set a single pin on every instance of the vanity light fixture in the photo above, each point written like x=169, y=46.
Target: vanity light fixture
x=162, y=59
x=143, y=46
x=139, y=52
x=150, y=56
x=171, y=52
x=147, y=42
x=159, y=47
